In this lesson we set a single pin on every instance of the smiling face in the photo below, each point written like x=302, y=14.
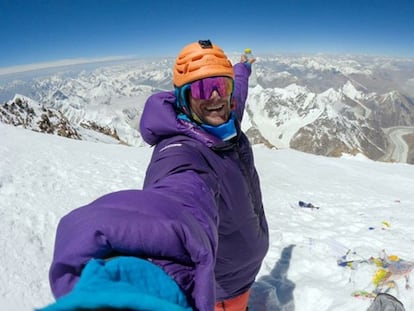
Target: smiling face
x=213, y=111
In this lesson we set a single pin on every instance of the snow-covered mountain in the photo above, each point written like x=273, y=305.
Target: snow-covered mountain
x=331, y=122
x=326, y=105
x=334, y=105
x=29, y=114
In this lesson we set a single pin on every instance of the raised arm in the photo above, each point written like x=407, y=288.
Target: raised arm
x=242, y=72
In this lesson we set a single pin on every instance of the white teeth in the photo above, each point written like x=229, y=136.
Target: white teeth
x=211, y=108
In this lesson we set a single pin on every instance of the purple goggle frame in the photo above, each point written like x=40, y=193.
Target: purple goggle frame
x=202, y=89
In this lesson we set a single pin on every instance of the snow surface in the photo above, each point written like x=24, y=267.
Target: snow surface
x=43, y=177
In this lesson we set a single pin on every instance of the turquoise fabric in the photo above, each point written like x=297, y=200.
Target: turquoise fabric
x=123, y=282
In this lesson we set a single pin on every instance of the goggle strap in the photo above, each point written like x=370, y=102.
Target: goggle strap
x=181, y=98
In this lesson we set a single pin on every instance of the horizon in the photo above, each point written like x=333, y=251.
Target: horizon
x=50, y=31
x=53, y=64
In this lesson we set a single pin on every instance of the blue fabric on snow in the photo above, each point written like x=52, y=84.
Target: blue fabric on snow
x=123, y=282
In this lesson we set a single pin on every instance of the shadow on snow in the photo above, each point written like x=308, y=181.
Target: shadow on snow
x=274, y=292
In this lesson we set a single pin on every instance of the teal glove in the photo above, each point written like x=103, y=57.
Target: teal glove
x=123, y=283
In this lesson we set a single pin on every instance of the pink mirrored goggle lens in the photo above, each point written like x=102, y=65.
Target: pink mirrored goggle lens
x=202, y=89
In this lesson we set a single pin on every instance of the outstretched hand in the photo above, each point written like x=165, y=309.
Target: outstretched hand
x=244, y=59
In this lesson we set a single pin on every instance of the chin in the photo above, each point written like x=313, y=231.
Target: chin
x=217, y=122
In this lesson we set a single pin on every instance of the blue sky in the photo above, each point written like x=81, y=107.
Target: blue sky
x=33, y=31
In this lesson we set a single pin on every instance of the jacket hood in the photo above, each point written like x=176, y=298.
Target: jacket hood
x=159, y=120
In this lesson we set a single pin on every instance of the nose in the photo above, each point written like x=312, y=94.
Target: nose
x=215, y=94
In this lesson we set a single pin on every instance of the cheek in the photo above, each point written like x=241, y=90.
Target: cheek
x=233, y=104
x=194, y=106
x=192, y=103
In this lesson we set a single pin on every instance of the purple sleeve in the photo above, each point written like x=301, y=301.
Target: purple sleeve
x=241, y=87
x=150, y=223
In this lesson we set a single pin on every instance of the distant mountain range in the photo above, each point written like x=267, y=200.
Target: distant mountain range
x=325, y=105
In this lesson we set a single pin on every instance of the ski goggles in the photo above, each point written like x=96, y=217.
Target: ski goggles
x=203, y=88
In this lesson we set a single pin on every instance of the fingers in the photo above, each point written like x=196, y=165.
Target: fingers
x=244, y=59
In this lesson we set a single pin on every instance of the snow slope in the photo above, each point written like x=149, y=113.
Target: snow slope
x=43, y=177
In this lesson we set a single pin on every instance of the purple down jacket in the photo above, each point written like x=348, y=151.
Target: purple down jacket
x=199, y=216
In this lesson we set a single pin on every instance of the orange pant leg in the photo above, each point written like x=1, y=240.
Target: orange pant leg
x=238, y=303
